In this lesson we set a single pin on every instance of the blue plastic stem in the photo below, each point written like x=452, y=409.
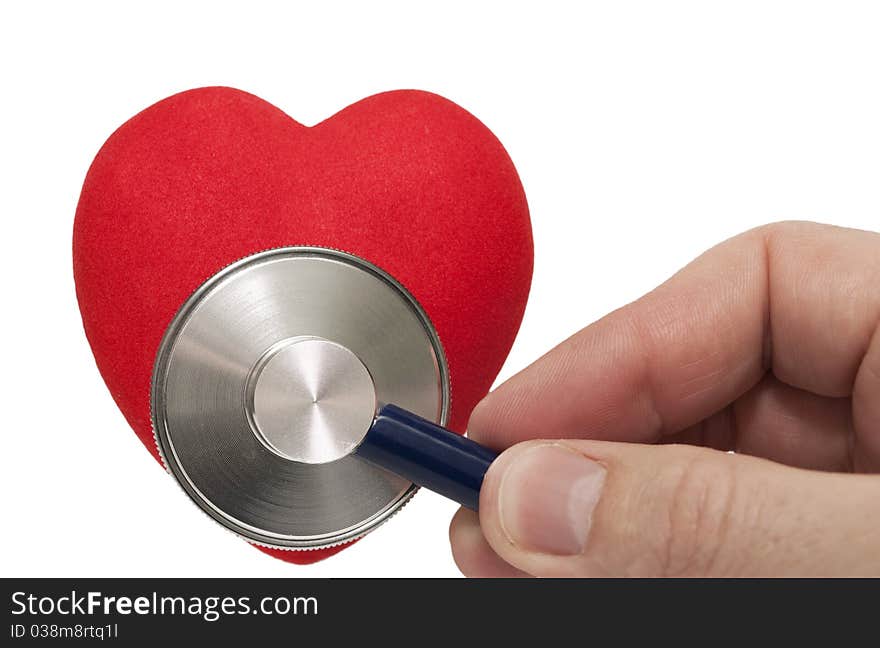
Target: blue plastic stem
x=427, y=454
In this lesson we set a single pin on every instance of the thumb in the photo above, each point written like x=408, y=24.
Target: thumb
x=592, y=508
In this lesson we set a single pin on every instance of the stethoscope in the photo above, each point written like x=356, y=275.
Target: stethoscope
x=299, y=397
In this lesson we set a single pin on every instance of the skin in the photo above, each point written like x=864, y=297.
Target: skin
x=766, y=345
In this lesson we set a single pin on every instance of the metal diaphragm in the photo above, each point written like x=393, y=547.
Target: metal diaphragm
x=268, y=377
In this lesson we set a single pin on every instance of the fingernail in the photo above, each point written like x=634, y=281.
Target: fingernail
x=546, y=499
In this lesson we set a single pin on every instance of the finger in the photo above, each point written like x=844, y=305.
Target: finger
x=792, y=426
x=866, y=410
x=778, y=422
x=717, y=432
x=801, y=298
x=473, y=555
x=592, y=508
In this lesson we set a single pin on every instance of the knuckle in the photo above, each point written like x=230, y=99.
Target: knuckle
x=785, y=228
x=701, y=494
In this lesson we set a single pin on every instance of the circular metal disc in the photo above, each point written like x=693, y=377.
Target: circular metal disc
x=310, y=400
x=233, y=395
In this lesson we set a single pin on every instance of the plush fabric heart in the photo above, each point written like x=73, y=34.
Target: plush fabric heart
x=406, y=180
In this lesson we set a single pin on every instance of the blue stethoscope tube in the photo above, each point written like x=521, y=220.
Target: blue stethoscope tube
x=427, y=454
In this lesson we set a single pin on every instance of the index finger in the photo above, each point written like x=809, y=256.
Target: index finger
x=800, y=299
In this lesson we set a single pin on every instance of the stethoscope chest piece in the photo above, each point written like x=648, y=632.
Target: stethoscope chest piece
x=269, y=377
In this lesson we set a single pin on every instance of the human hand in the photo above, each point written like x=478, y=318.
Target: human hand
x=769, y=345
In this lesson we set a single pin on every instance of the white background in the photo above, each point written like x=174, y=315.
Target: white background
x=644, y=133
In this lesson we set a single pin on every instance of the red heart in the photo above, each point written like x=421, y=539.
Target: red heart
x=406, y=180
